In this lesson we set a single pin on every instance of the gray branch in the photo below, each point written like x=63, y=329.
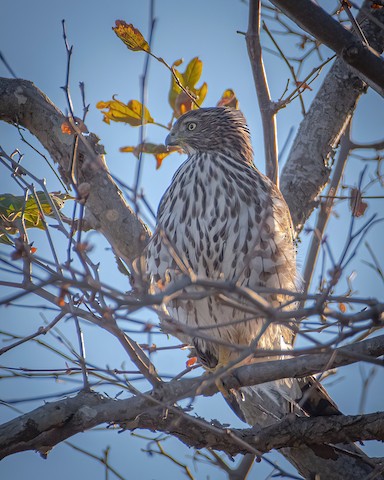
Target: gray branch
x=307, y=169
x=22, y=103
x=349, y=47
x=54, y=422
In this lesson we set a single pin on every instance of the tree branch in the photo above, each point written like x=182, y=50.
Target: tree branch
x=267, y=108
x=289, y=432
x=54, y=422
x=314, y=20
x=307, y=169
x=326, y=209
x=22, y=103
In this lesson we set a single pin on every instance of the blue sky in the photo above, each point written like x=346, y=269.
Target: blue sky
x=31, y=40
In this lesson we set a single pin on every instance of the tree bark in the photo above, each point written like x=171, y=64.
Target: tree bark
x=52, y=423
x=308, y=166
x=313, y=19
x=304, y=176
x=22, y=103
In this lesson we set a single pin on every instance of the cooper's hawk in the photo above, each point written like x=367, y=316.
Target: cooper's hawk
x=221, y=219
x=226, y=228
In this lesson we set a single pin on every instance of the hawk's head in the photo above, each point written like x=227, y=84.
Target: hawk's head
x=213, y=130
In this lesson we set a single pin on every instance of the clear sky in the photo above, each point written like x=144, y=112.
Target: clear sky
x=31, y=40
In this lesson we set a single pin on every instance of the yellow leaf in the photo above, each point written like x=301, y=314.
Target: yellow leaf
x=179, y=100
x=159, y=151
x=131, y=36
x=193, y=73
x=228, y=99
x=175, y=90
x=127, y=149
x=201, y=93
x=177, y=63
x=131, y=113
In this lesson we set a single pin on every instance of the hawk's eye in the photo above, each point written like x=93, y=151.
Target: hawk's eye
x=191, y=126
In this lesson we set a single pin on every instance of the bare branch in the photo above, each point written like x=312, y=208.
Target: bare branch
x=314, y=20
x=267, y=108
x=107, y=211
x=307, y=169
x=54, y=422
x=326, y=209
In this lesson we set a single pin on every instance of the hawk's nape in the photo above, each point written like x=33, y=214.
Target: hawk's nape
x=222, y=220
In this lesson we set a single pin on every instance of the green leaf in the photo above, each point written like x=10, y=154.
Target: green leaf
x=12, y=208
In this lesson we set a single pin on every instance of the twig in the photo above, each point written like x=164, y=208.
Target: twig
x=244, y=468
x=267, y=108
x=103, y=460
x=291, y=69
x=81, y=356
x=85, y=105
x=144, y=79
x=69, y=50
x=355, y=25
x=7, y=65
x=326, y=209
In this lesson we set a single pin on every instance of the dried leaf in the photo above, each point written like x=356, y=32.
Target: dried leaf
x=131, y=36
x=178, y=62
x=357, y=205
x=345, y=4
x=67, y=129
x=183, y=104
x=131, y=113
x=342, y=307
x=228, y=99
x=158, y=150
x=303, y=86
x=191, y=361
x=60, y=299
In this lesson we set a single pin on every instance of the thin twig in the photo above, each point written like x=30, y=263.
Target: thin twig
x=144, y=79
x=326, y=209
x=267, y=108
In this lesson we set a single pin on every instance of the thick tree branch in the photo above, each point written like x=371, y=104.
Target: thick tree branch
x=54, y=422
x=22, y=103
x=290, y=432
x=316, y=21
x=307, y=364
x=307, y=169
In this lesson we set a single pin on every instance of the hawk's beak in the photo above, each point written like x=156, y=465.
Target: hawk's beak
x=170, y=141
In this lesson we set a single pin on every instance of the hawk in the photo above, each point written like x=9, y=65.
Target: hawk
x=224, y=241
x=221, y=219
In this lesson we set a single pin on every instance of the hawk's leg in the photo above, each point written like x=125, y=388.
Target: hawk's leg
x=213, y=363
